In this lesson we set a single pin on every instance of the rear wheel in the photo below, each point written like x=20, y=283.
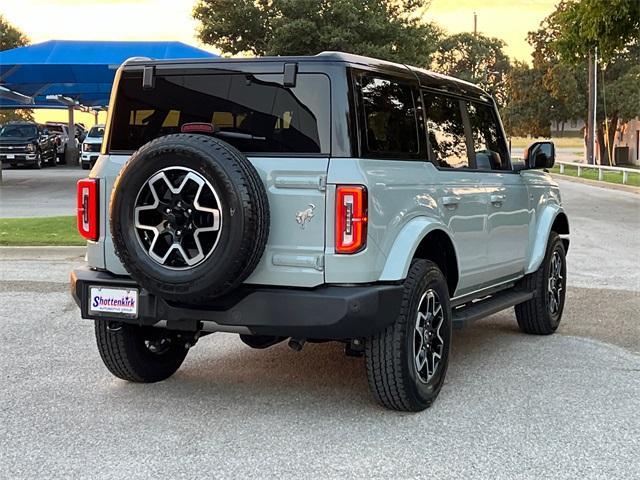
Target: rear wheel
x=139, y=354
x=542, y=314
x=407, y=362
x=62, y=158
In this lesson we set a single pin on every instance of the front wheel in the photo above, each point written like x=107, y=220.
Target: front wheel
x=541, y=315
x=139, y=354
x=38, y=163
x=407, y=362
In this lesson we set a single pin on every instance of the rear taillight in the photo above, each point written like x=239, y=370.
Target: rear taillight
x=88, y=208
x=351, y=218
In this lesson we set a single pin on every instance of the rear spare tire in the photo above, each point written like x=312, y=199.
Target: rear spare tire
x=189, y=217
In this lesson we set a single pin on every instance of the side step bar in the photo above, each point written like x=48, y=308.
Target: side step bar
x=472, y=311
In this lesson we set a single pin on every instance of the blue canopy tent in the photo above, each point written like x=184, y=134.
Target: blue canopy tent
x=80, y=70
x=74, y=74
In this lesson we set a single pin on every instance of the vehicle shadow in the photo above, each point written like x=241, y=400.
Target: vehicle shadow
x=221, y=370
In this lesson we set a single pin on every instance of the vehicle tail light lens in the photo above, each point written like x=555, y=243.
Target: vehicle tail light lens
x=351, y=218
x=88, y=208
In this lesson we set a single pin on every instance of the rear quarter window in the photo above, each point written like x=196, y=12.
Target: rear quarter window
x=390, y=123
x=254, y=113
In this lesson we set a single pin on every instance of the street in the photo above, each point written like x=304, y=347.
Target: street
x=513, y=406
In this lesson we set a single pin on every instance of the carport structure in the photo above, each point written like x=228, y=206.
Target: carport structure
x=74, y=74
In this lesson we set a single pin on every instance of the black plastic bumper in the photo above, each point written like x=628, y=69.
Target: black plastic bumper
x=326, y=312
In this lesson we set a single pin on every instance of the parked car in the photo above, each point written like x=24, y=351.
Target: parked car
x=27, y=143
x=333, y=197
x=61, y=130
x=91, y=147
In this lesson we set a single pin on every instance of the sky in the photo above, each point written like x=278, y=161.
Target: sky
x=42, y=20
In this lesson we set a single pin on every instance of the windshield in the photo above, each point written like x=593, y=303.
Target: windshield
x=20, y=131
x=55, y=128
x=96, y=132
x=254, y=113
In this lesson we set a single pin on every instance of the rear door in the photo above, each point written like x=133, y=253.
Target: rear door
x=462, y=197
x=283, y=130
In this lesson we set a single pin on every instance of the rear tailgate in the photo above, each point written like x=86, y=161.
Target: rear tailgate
x=284, y=131
x=294, y=254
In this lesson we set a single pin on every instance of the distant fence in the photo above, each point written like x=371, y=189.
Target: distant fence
x=600, y=168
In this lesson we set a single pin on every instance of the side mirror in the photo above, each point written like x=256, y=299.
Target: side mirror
x=540, y=155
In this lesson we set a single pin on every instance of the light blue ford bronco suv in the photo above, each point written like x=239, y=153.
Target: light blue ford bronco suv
x=324, y=198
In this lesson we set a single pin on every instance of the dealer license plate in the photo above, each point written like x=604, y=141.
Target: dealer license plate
x=118, y=301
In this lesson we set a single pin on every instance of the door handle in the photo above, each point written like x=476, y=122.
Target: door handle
x=450, y=202
x=497, y=199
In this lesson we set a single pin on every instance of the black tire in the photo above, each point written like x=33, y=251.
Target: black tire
x=126, y=355
x=86, y=166
x=38, y=162
x=242, y=197
x=537, y=316
x=391, y=368
x=62, y=158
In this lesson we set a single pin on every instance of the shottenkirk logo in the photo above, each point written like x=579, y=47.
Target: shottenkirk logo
x=100, y=301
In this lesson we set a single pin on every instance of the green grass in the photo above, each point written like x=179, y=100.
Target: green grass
x=592, y=174
x=562, y=142
x=39, y=231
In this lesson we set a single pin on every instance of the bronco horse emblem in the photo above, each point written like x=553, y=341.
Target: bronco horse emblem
x=305, y=216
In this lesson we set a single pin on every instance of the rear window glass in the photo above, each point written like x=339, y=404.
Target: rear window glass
x=254, y=113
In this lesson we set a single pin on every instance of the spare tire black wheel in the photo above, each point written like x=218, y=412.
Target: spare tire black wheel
x=189, y=217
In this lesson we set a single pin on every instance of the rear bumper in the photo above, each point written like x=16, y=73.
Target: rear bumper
x=326, y=312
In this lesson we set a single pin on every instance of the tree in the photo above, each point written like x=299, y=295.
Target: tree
x=387, y=29
x=580, y=26
x=10, y=36
x=528, y=102
x=475, y=58
x=575, y=29
x=23, y=115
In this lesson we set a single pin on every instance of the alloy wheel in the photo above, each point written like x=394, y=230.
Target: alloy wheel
x=555, y=285
x=178, y=218
x=428, y=344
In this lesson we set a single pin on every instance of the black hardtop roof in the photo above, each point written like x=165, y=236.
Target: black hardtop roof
x=425, y=77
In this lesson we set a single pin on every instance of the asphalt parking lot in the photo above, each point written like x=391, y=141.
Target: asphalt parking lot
x=513, y=406
x=39, y=193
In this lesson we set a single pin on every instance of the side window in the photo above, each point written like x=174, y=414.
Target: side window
x=390, y=125
x=445, y=131
x=489, y=146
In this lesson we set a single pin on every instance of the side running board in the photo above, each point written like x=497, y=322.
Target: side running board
x=472, y=311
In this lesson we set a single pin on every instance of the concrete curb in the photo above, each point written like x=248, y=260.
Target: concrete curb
x=35, y=253
x=597, y=183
